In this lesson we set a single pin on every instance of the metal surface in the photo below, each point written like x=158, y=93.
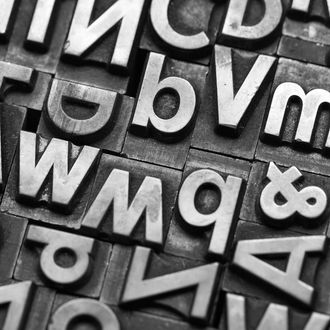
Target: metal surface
x=273, y=317
x=115, y=190
x=305, y=36
x=12, y=233
x=164, y=164
x=220, y=207
x=145, y=118
x=202, y=279
x=251, y=208
x=18, y=76
x=62, y=91
x=182, y=29
x=131, y=201
x=17, y=296
x=297, y=93
x=222, y=217
x=85, y=114
x=73, y=200
x=233, y=103
x=64, y=261
x=255, y=26
x=7, y=19
x=65, y=183
x=31, y=17
x=289, y=281
x=309, y=203
x=82, y=36
x=12, y=121
x=166, y=104
x=234, y=28
x=160, y=23
x=67, y=313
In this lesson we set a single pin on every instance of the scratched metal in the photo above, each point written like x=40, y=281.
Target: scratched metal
x=164, y=164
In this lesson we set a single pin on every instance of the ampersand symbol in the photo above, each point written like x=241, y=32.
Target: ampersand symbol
x=309, y=203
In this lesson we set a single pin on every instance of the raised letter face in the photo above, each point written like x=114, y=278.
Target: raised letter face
x=202, y=279
x=99, y=101
x=222, y=217
x=83, y=35
x=11, y=122
x=245, y=312
x=101, y=48
x=82, y=309
x=159, y=19
x=32, y=174
x=18, y=75
x=208, y=207
x=246, y=257
x=7, y=17
x=39, y=33
x=165, y=109
x=62, y=260
x=295, y=125
x=55, y=176
x=275, y=197
x=131, y=201
x=275, y=315
x=262, y=32
x=145, y=119
x=86, y=115
x=56, y=242
x=233, y=102
x=277, y=265
x=297, y=202
x=182, y=29
x=125, y=217
x=164, y=164
x=17, y=297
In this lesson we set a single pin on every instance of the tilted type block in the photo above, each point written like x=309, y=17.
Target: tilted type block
x=164, y=113
x=184, y=30
x=86, y=115
x=208, y=206
x=234, y=100
x=298, y=187
x=54, y=177
x=253, y=25
x=12, y=230
x=69, y=262
x=88, y=312
x=39, y=33
x=296, y=129
x=131, y=201
x=305, y=32
x=276, y=265
x=161, y=284
x=241, y=312
x=102, y=42
x=24, y=305
x=13, y=120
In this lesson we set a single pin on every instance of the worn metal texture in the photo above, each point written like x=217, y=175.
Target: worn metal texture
x=164, y=164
